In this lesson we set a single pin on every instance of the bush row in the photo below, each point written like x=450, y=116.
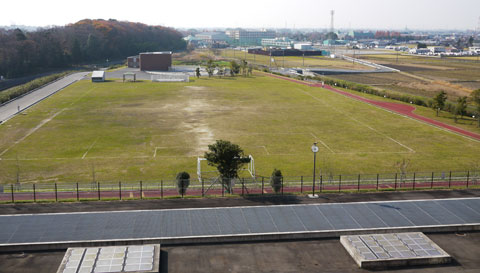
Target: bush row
x=17, y=91
x=417, y=100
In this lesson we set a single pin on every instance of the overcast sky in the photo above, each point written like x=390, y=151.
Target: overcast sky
x=356, y=14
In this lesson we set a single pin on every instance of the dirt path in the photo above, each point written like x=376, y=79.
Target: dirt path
x=402, y=109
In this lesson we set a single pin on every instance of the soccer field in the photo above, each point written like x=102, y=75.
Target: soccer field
x=116, y=131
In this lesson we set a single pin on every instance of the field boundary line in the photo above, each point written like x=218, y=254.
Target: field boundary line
x=323, y=143
x=163, y=147
x=43, y=122
x=40, y=125
x=419, y=118
x=364, y=124
x=89, y=148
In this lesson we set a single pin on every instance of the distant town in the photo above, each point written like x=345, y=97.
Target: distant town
x=433, y=43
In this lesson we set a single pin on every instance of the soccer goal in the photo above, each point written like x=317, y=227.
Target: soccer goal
x=169, y=77
x=205, y=174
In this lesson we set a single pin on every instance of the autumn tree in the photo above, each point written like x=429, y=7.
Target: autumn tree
x=475, y=97
x=461, y=107
x=439, y=101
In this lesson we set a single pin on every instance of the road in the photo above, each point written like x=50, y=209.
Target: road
x=13, y=107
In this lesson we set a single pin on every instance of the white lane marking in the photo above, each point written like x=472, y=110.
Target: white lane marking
x=354, y=119
x=89, y=148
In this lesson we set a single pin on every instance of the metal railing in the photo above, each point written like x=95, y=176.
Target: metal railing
x=259, y=185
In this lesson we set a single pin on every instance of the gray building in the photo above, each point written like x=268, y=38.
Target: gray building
x=244, y=37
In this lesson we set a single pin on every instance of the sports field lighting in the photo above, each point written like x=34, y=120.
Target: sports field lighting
x=315, y=151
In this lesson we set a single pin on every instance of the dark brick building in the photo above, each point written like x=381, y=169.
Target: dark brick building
x=155, y=61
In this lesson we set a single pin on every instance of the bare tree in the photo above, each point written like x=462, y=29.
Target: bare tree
x=402, y=168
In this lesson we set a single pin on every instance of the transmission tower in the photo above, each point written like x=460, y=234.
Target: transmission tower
x=332, y=13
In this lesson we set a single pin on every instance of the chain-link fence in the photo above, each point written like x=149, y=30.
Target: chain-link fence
x=215, y=187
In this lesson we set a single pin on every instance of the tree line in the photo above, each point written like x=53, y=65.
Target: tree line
x=86, y=41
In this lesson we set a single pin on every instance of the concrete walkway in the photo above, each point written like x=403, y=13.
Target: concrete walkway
x=228, y=224
x=10, y=109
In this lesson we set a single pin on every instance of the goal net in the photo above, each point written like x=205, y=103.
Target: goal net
x=169, y=77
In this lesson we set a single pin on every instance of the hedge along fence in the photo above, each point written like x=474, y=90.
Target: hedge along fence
x=417, y=100
x=20, y=90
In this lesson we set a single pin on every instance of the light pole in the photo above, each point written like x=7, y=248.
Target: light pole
x=315, y=151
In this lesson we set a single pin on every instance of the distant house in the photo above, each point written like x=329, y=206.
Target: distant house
x=437, y=49
x=283, y=42
x=98, y=76
x=133, y=62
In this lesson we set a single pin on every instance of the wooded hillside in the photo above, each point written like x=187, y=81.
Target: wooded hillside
x=86, y=41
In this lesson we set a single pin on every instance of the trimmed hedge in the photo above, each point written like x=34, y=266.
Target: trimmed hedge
x=417, y=100
x=17, y=91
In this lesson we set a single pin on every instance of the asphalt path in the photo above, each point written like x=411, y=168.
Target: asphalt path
x=18, y=105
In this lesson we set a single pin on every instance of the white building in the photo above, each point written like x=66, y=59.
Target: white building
x=303, y=46
x=474, y=49
x=98, y=76
x=421, y=51
x=437, y=49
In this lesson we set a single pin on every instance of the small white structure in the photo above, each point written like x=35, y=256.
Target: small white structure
x=98, y=76
x=303, y=46
x=474, y=49
x=437, y=49
x=169, y=76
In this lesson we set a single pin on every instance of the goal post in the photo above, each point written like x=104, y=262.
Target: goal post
x=201, y=173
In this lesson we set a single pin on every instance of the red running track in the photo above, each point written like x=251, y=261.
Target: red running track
x=402, y=109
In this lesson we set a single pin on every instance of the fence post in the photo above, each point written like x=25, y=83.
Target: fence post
x=377, y=181
x=321, y=183
x=413, y=181
x=449, y=179
x=301, y=184
x=34, y=194
x=13, y=197
x=263, y=178
x=98, y=190
x=56, y=195
x=203, y=188
x=339, y=183
x=78, y=196
x=431, y=185
x=243, y=187
x=161, y=188
x=468, y=176
x=120, y=189
x=282, y=184
x=141, y=190
x=395, y=181
x=358, y=186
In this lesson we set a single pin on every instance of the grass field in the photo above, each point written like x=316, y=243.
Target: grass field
x=293, y=61
x=147, y=131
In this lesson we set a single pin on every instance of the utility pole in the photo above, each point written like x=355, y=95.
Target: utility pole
x=315, y=151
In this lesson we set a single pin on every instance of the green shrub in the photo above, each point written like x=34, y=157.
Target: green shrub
x=183, y=181
x=276, y=180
